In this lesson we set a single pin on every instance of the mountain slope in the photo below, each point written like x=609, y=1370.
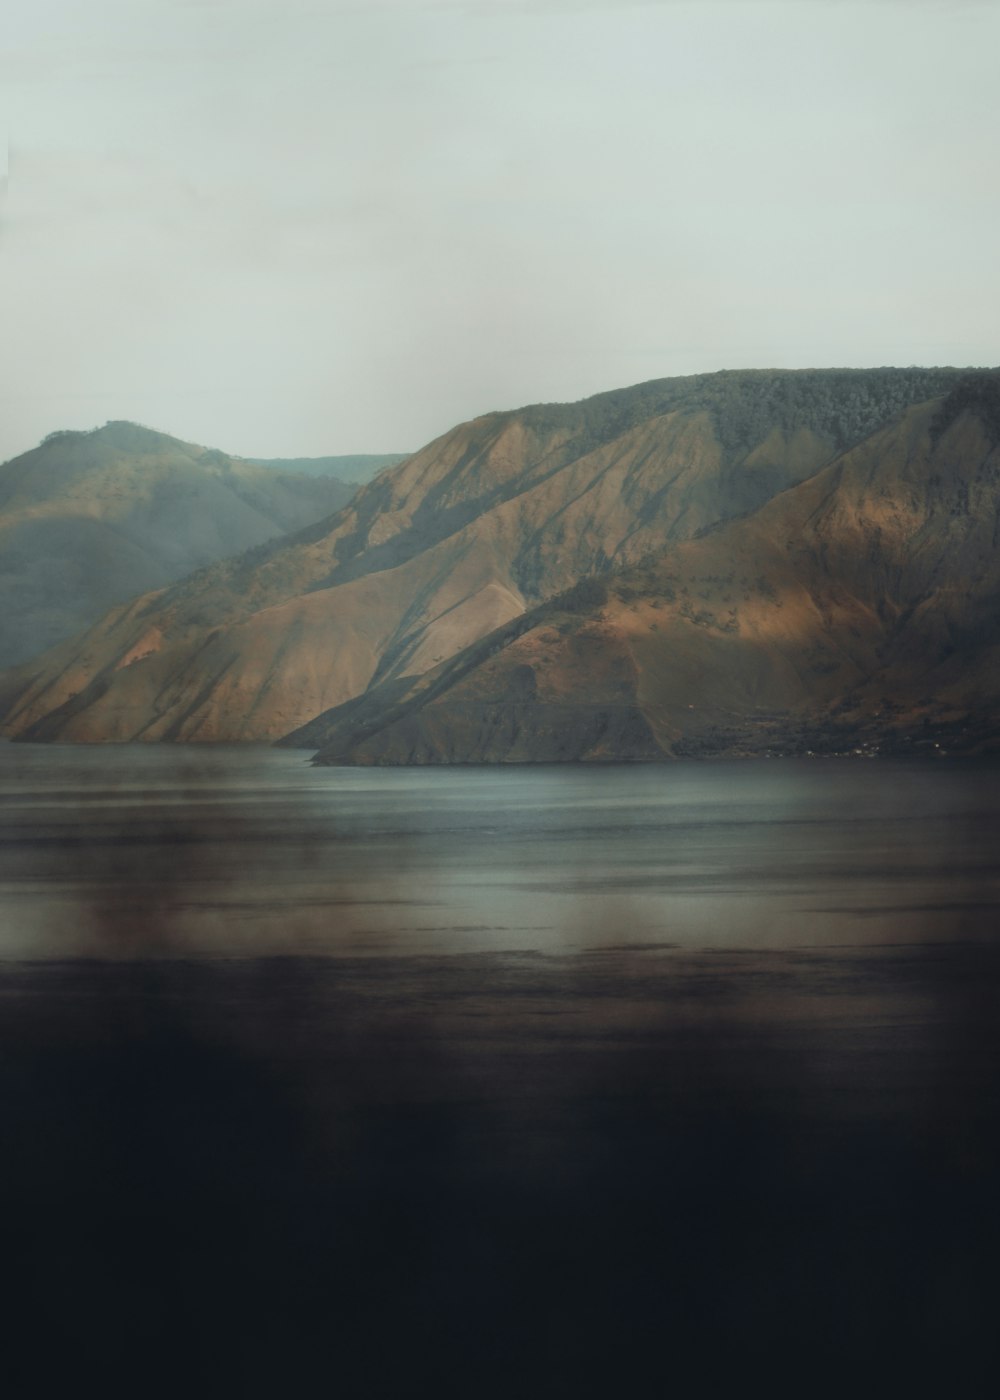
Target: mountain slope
x=88, y=520
x=354, y=470
x=857, y=610
x=470, y=532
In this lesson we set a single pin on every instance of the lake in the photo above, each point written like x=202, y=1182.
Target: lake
x=558, y=1081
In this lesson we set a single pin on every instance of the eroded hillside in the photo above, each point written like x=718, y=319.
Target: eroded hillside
x=468, y=534
x=857, y=611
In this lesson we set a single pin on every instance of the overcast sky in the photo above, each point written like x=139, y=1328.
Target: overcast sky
x=294, y=227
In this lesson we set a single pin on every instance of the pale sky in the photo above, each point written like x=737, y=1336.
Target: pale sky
x=298, y=227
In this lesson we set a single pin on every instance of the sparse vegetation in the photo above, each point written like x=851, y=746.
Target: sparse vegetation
x=842, y=405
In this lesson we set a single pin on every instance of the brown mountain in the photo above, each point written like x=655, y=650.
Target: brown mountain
x=857, y=611
x=464, y=536
x=88, y=520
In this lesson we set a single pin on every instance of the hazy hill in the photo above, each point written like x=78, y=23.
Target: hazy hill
x=90, y=519
x=857, y=610
x=354, y=470
x=469, y=533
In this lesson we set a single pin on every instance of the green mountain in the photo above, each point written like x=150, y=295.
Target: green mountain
x=354, y=470
x=90, y=519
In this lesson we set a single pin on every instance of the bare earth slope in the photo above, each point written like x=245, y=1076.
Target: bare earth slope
x=469, y=533
x=88, y=520
x=859, y=610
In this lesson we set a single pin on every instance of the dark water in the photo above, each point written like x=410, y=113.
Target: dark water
x=480, y=1083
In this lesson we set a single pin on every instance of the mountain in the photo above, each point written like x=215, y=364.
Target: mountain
x=470, y=533
x=858, y=611
x=354, y=470
x=88, y=520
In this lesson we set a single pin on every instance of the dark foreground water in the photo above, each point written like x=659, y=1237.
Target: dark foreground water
x=551, y=1082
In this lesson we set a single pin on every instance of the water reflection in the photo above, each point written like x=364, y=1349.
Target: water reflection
x=478, y=1083
x=227, y=852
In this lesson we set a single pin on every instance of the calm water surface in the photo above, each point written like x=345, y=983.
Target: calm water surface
x=548, y=1081
x=136, y=851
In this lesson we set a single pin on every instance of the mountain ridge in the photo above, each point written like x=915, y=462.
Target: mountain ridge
x=856, y=610
x=355, y=469
x=90, y=519
x=466, y=535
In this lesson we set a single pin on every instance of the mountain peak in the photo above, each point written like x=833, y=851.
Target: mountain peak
x=134, y=437
x=89, y=519
x=500, y=514
x=119, y=434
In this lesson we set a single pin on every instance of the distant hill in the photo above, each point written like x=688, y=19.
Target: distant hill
x=857, y=612
x=467, y=536
x=90, y=519
x=356, y=470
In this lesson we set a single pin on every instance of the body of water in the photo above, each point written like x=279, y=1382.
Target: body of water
x=554, y=1081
